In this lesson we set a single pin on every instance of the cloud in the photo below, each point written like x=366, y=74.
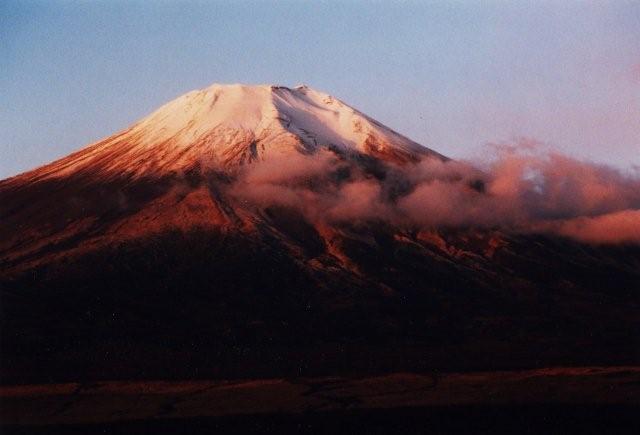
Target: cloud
x=524, y=187
x=549, y=185
x=622, y=226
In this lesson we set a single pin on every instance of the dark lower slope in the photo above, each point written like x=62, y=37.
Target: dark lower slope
x=209, y=304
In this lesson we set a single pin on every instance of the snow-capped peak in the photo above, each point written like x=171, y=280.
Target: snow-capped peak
x=317, y=118
x=237, y=124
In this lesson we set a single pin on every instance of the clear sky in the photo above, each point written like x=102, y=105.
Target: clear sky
x=451, y=75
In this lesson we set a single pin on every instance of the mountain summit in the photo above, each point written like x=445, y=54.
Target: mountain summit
x=231, y=125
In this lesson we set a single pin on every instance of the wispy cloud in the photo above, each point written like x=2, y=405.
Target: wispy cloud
x=525, y=187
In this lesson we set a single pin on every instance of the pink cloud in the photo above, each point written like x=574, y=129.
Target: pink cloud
x=622, y=226
x=525, y=188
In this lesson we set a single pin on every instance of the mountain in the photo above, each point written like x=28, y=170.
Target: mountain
x=246, y=231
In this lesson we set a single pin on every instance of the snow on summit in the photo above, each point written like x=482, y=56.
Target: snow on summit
x=315, y=117
x=230, y=125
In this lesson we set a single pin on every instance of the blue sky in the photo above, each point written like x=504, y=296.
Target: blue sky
x=450, y=75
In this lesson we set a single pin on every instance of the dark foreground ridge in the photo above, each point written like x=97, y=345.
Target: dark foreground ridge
x=463, y=419
x=588, y=399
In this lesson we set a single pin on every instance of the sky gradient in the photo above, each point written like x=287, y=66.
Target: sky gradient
x=450, y=75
